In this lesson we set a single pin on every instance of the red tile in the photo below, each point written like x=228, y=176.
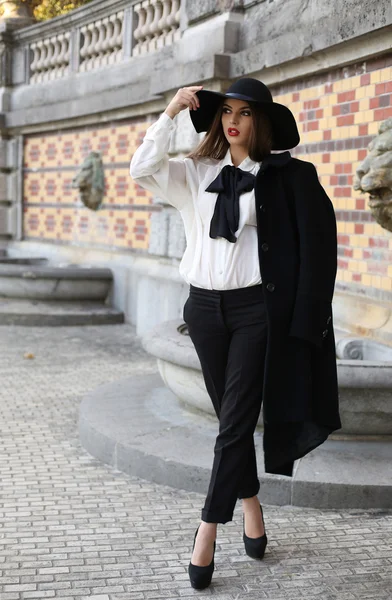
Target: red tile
x=346, y=96
x=345, y=120
x=360, y=203
x=362, y=154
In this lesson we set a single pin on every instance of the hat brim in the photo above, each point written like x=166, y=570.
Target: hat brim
x=284, y=126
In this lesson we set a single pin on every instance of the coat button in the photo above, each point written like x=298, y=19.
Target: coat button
x=325, y=333
x=264, y=247
x=270, y=287
x=328, y=320
x=262, y=207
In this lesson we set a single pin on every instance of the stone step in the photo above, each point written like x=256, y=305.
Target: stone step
x=138, y=426
x=45, y=313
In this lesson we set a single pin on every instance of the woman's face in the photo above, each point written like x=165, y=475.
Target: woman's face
x=237, y=114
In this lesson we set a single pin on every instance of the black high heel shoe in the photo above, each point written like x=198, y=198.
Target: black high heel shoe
x=200, y=577
x=255, y=547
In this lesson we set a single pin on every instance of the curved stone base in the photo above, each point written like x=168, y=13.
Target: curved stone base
x=139, y=427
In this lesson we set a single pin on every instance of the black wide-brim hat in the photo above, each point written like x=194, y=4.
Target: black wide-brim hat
x=284, y=126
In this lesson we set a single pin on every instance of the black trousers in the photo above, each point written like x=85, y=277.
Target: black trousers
x=228, y=329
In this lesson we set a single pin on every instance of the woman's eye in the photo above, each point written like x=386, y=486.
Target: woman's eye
x=244, y=112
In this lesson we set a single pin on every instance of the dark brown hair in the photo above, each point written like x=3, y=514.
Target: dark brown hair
x=215, y=145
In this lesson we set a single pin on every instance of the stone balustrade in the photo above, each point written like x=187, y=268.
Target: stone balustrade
x=158, y=25
x=104, y=35
x=51, y=57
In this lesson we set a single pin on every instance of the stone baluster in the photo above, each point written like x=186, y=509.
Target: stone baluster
x=154, y=27
x=102, y=42
x=140, y=11
x=146, y=28
x=116, y=38
x=51, y=58
x=158, y=25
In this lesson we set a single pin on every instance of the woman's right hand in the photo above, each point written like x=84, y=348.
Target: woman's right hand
x=184, y=98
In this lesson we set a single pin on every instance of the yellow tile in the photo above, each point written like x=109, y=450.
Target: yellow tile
x=359, y=117
x=362, y=265
x=314, y=136
x=390, y=270
x=386, y=283
x=347, y=276
x=370, y=90
x=373, y=128
x=355, y=82
x=353, y=131
x=366, y=279
x=350, y=203
x=375, y=77
x=363, y=241
x=324, y=168
x=341, y=226
x=376, y=281
x=352, y=265
x=368, y=229
x=364, y=104
x=360, y=93
x=339, y=275
x=349, y=227
x=386, y=74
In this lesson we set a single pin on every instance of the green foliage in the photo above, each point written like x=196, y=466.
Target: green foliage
x=48, y=9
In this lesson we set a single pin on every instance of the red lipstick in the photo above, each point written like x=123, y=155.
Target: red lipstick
x=233, y=131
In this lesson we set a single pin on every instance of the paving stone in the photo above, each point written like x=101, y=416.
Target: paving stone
x=73, y=527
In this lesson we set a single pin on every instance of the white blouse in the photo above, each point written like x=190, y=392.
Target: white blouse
x=211, y=263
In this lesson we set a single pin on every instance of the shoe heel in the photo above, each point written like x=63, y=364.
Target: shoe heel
x=200, y=577
x=255, y=547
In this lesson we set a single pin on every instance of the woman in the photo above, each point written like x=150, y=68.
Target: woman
x=261, y=262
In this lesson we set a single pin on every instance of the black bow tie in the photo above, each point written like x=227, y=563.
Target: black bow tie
x=230, y=183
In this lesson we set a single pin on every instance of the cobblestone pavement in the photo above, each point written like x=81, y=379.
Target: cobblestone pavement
x=72, y=527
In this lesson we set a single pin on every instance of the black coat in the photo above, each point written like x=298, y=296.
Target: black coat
x=297, y=246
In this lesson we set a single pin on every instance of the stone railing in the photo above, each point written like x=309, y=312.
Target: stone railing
x=97, y=35
x=158, y=23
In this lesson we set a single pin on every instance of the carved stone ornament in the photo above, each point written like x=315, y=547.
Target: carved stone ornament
x=374, y=175
x=90, y=181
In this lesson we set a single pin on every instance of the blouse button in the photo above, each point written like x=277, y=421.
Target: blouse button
x=262, y=207
x=270, y=287
x=264, y=247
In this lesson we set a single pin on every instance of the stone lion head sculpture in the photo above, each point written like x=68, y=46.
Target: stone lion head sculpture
x=374, y=175
x=89, y=180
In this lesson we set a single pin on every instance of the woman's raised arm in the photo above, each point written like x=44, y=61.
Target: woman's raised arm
x=150, y=165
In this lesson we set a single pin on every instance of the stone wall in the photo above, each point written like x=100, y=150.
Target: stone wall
x=97, y=78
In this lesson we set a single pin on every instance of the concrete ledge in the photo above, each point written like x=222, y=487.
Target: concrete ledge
x=32, y=313
x=54, y=282
x=139, y=427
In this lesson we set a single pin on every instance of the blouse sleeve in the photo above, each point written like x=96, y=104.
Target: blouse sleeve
x=151, y=167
